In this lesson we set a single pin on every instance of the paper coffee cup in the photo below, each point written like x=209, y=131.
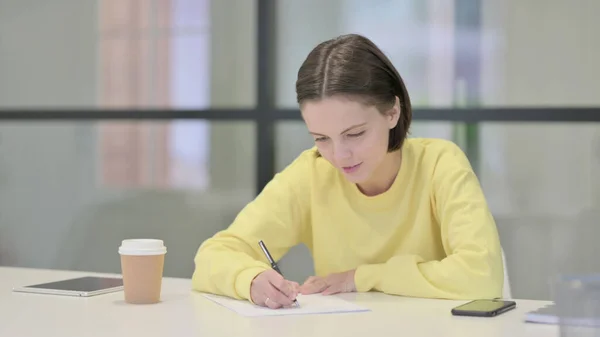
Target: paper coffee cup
x=142, y=263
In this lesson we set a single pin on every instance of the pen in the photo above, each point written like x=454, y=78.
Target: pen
x=272, y=262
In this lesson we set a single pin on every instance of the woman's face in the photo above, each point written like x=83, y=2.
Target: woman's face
x=353, y=137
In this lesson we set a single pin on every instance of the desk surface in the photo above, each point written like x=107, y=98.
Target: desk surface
x=185, y=313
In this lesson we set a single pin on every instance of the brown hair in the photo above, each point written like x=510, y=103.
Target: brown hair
x=353, y=66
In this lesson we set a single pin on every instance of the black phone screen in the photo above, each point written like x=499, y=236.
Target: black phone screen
x=484, y=305
x=484, y=308
x=88, y=283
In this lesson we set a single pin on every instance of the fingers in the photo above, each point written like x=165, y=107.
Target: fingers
x=295, y=289
x=279, y=291
x=311, y=279
x=313, y=286
x=334, y=289
x=275, y=295
x=332, y=284
x=271, y=290
x=272, y=304
x=289, y=289
x=295, y=286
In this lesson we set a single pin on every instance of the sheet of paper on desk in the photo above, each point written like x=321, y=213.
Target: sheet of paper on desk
x=309, y=305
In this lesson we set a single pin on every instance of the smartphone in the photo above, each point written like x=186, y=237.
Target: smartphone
x=484, y=308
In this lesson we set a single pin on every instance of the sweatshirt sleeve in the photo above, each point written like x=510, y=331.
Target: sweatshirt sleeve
x=227, y=263
x=473, y=267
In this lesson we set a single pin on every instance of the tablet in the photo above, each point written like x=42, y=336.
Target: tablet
x=82, y=286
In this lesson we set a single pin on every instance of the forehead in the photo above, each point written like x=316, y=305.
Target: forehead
x=336, y=113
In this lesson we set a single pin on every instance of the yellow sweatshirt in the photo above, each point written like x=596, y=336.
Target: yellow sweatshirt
x=430, y=235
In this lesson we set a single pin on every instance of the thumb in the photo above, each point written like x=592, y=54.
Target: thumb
x=295, y=286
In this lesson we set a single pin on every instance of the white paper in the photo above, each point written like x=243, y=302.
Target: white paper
x=546, y=315
x=309, y=305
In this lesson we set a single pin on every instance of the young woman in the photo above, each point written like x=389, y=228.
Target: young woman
x=378, y=212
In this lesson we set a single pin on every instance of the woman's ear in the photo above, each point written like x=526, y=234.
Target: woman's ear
x=394, y=114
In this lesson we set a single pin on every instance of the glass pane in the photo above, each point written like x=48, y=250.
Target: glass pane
x=291, y=138
x=458, y=53
x=552, y=65
x=416, y=35
x=542, y=181
x=119, y=54
x=49, y=54
x=190, y=15
x=126, y=17
x=428, y=129
x=170, y=72
x=148, y=17
x=70, y=191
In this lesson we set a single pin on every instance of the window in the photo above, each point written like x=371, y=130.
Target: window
x=154, y=54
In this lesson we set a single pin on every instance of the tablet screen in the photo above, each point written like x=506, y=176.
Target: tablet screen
x=82, y=284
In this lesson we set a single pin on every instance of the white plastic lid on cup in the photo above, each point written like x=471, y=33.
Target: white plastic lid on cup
x=142, y=247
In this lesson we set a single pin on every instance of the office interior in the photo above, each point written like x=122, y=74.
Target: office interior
x=164, y=118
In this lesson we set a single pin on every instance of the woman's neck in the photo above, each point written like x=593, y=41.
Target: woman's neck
x=384, y=176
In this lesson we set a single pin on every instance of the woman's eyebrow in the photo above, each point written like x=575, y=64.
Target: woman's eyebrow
x=348, y=129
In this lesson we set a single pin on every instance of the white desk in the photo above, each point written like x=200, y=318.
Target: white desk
x=185, y=313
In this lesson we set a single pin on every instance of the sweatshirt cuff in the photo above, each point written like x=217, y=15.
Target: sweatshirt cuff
x=244, y=281
x=368, y=277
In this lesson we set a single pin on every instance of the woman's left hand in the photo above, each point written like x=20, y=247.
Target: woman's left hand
x=329, y=285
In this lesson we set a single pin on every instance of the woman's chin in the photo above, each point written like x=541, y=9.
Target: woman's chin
x=355, y=177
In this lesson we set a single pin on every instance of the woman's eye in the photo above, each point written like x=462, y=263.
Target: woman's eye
x=320, y=139
x=356, y=134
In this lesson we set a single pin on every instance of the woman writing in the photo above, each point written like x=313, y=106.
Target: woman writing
x=378, y=212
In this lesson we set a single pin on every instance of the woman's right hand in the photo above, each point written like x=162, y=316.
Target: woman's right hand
x=271, y=290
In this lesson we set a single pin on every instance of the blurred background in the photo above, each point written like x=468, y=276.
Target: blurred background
x=163, y=118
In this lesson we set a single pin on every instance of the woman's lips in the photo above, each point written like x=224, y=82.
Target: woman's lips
x=351, y=169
